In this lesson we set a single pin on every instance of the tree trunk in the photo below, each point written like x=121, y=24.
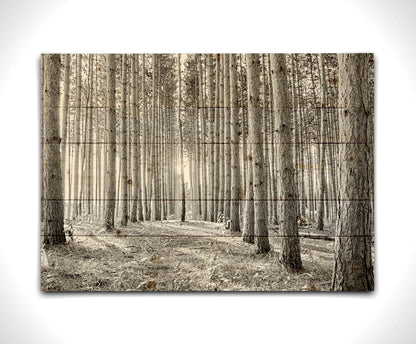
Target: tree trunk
x=42, y=133
x=154, y=203
x=76, y=173
x=227, y=138
x=136, y=214
x=197, y=149
x=322, y=144
x=145, y=144
x=311, y=162
x=139, y=122
x=289, y=247
x=265, y=130
x=221, y=179
x=204, y=146
x=110, y=182
x=52, y=180
x=211, y=140
x=299, y=147
x=217, y=138
x=182, y=187
x=97, y=146
x=257, y=159
x=89, y=145
x=353, y=268
x=123, y=144
x=236, y=193
x=65, y=117
x=272, y=165
x=248, y=227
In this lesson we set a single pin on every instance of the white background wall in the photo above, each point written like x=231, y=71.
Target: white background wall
x=29, y=28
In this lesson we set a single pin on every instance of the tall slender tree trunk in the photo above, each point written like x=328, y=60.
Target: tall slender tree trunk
x=163, y=158
x=65, y=119
x=170, y=160
x=221, y=179
x=136, y=211
x=217, y=137
x=97, y=152
x=158, y=215
x=272, y=164
x=311, y=175
x=257, y=159
x=290, y=246
x=52, y=180
x=84, y=146
x=76, y=204
x=322, y=146
x=227, y=138
x=110, y=181
x=182, y=187
x=299, y=146
x=89, y=146
x=266, y=145
x=236, y=194
x=123, y=144
x=243, y=100
x=154, y=204
x=333, y=148
x=353, y=268
x=140, y=157
x=144, y=152
x=104, y=152
x=197, y=150
x=202, y=113
x=211, y=140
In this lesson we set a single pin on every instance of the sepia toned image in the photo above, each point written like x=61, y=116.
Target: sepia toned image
x=207, y=172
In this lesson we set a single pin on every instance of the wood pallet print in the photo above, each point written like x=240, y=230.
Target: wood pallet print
x=207, y=172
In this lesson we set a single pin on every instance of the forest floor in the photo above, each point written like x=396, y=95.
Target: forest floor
x=173, y=256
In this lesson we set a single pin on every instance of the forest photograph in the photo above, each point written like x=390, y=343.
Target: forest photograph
x=207, y=172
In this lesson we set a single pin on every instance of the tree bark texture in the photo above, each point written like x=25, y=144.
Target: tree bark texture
x=54, y=210
x=353, y=269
